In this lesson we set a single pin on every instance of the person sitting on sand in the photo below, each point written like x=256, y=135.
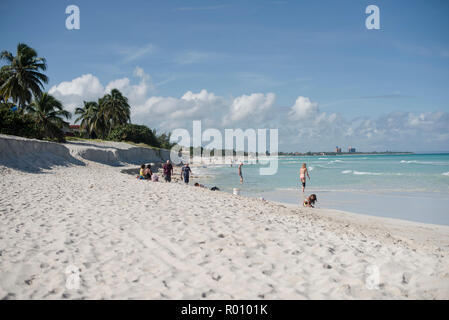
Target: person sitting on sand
x=302, y=176
x=141, y=175
x=148, y=173
x=310, y=201
x=154, y=178
x=185, y=173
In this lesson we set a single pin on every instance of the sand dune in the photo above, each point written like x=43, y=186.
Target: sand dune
x=35, y=155
x=127, y=238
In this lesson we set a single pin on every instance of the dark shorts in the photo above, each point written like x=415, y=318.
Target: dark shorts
x=167, y=178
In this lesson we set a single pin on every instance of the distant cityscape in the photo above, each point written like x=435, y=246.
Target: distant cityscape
x=338, y=150
x=350, y=150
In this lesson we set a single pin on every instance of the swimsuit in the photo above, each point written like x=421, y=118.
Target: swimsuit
x=302, y=177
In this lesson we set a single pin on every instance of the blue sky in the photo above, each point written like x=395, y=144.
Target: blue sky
x=315, y=49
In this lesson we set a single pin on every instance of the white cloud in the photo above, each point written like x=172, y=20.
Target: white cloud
x=73, y=93
x=301, y=127
x=254, y=108
x=135, y=93
x=85, y=85
x=169, y=113
x=304, y=109
x=89, y=88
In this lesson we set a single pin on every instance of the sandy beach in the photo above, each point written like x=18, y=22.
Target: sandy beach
x=68, y=210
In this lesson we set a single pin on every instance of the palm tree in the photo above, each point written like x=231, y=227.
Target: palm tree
x=21, y=75
x=91, y=119
x=49, y=113
x=2, y=81
x=115, y=109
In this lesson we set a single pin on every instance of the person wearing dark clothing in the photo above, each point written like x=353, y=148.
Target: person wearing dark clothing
x=168, y=171
x=185, y=173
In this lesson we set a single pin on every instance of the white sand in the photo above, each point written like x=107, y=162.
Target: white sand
x=138, y=239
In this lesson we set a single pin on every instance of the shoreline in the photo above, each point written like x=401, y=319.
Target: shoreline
x=407, y=205
x=290, y=204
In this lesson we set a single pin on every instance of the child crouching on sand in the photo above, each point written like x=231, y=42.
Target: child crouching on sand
x=310, y=201
x=141, y=175
x=145, y=172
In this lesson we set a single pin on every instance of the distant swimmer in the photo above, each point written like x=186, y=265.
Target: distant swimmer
x=302, y=176
x=240, y=172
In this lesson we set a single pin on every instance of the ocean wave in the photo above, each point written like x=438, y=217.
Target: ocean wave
x=335, y=161
x=362, y=173
x=344, y=189
x=445, y=174
x=425, y=162
x=368, y=173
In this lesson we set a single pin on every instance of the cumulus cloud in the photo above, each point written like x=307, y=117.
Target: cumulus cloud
x=255, y=107
x=169, y=112
x=73, y=93
x=302, y=126
x=89, y=88
x=136, y=93
x=304, y=108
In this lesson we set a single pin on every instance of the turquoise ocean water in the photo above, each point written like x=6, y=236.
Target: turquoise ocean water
x=412, y=187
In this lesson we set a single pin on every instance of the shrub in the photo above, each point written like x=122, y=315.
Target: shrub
x=164, y=141
x=134, y=133
x=18, y=124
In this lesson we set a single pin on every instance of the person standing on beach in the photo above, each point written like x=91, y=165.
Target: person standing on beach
x=302, y=176
x=168, y=171
x=240, y=172
x=185, y=173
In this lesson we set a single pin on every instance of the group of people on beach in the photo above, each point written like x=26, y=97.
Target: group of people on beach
x=146, y=173
x=303, y=173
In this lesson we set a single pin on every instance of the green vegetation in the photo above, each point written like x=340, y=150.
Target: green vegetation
x=38, y=114
x=134, y=133
x=21, y=78
x=140, y=134
x=26, y=110
x=48, y=114
x=18, y=124
x=100, y=118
